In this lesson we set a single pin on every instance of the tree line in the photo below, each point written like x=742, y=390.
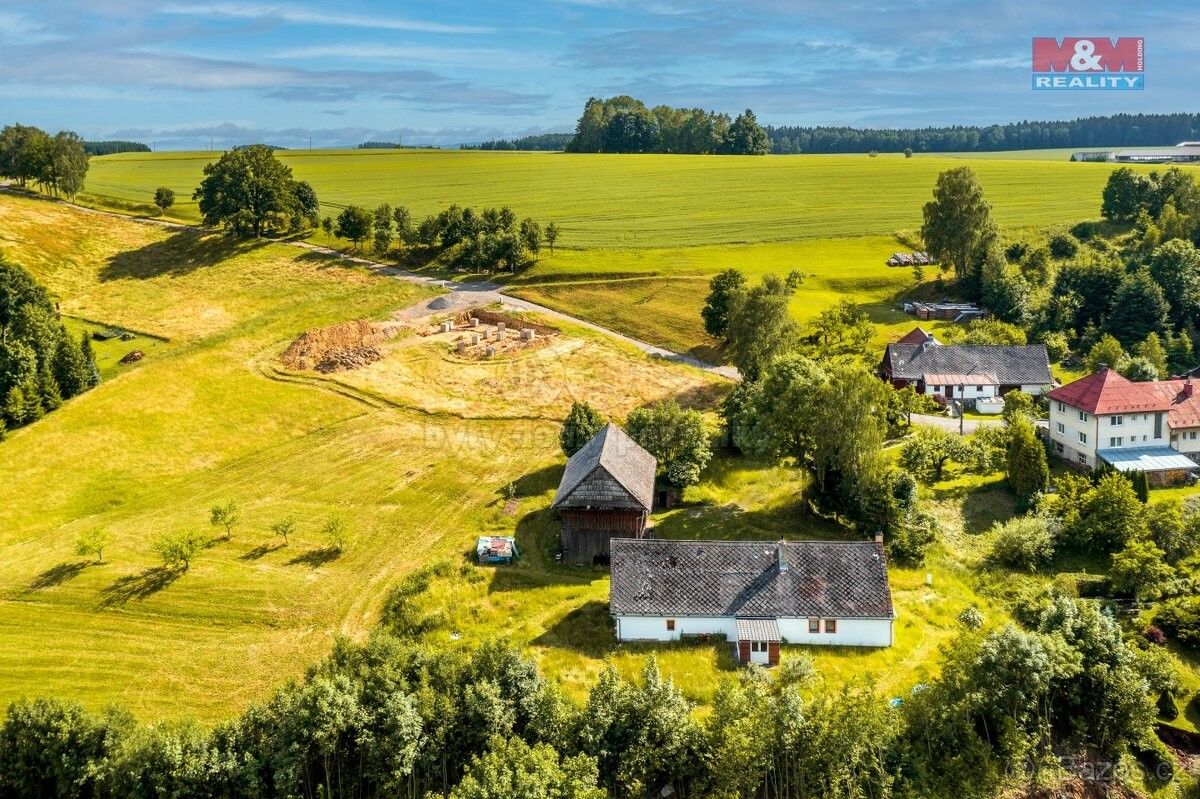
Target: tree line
x=394, y=717
x=542, y=141
x=1118, y=130
x=625, y=125
x=483, y=240
x=57, y=164
x=41, y=364
x=113, y=147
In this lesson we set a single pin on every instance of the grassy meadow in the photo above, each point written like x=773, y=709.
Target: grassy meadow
x=642, y=234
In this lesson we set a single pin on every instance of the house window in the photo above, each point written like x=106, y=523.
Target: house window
x=1192, y=435
x=1062, y=428
x=670, y=625
x=831, y=625
x=814, y=625
x=936, y=388
x=1082, y=416
x=758, y=646
x=1061, y=408
x=1116, y=420
x=1082, y=458
x=1116, y=442
x=1158, y=425
x=1058, y=447
x=979, y=389
x=1083, y=438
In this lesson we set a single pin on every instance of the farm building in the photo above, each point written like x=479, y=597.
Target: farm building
x=966, y=372
x=1185, y=153
x=911, y=259
x=946, y=311
x=756, y=594
x=606, y=492
x=1151, y=427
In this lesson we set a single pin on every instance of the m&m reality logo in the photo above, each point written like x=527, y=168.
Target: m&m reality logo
x=1089, y=62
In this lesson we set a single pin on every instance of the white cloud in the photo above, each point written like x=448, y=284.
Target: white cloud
x=305, y=16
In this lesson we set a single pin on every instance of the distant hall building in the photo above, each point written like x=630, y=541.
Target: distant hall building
x=606, y=492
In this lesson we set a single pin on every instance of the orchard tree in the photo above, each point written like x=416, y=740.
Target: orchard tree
x=724, y=288
x=336, y=534
x=164, y=198
x=178, y=550
x=958, y=228
x=583, y=422
x=92, y=543
x=224, y=516
x=354, y=223
x=928, y=450
x=283, y=528
x=677, y=437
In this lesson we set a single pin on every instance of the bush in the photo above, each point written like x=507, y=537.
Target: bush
x=1082, y=585
x=1180, y=618
x=971, y=618
x=1154, y=635
x=908, y=544
x=1064, y=245
x=1085, y=230
x=1025, y=543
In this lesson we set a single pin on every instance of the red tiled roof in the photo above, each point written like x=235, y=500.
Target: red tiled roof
x=1185, y=405
x=915, y=336
x=1105, y=391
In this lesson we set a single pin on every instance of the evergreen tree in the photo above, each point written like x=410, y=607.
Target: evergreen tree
x=92, y=371
x=1139, y=309
x=1028, y=472
x=48, y=389
x=15, y=406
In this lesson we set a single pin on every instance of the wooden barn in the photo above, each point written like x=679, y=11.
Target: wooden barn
x=606, y=492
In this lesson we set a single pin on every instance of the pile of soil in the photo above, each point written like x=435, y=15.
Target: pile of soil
x=337, y=348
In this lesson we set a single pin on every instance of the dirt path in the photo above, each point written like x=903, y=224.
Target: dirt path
x=462, y=295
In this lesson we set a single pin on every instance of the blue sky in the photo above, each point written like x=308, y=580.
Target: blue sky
x=175, y=72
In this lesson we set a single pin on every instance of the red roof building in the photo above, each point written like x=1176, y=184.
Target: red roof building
x=916, y=336
x=1106, y=392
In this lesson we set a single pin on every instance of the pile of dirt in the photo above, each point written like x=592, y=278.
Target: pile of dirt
x=337, y=348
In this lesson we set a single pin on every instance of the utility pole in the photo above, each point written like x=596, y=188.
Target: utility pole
x=310, y=142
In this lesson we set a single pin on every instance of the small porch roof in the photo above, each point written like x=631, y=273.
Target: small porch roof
x=977, y=379
x=1146, y=459
x=758, y=630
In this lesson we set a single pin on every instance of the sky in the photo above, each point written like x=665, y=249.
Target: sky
x=177, y=73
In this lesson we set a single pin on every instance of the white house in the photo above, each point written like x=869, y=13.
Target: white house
x=1105, y=418
x=754, y=593
x=964, y=372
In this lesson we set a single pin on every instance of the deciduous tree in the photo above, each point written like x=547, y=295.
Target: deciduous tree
x=583, y=422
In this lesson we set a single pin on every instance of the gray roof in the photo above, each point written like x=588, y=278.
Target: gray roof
x=829, y=579
x=1146, y=459
x=1010, y=365
x=758, y=630
x=613, y=452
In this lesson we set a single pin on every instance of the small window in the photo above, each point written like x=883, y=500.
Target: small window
x=1058, y=447
x=1116, y=421
x=1083, y=458
x=670, y=625
x=1083, y=438
x=758, y=646
x=831, y=625
x=979, y=389
x=1062, y=428
x=814, y=625
x=1062, y=408
x=1116, y=441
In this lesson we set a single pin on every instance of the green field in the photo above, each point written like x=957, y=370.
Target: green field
x=664, y=216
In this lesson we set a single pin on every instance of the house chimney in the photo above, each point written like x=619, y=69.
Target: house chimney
x=1188, y=388
x=781, y=556
x=1101, y=367
x=879, y=537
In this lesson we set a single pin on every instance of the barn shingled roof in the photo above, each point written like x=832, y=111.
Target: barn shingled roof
x=829, y=579
x=623, y=458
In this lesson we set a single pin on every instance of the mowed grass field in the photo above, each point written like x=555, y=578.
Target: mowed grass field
x=642, y=234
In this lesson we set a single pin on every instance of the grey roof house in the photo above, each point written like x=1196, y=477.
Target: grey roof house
x=607, y=490
x=966, y=371
x=755, y=593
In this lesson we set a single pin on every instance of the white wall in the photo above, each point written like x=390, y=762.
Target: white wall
x=850, y=632
x=969, y=392
x=1033, y=390
x=1133, y=430
x=1183, y=440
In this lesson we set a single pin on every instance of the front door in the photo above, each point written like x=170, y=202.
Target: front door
x=760, y=652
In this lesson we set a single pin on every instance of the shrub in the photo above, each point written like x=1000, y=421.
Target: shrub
x=1180, y=618
x=1025, y=543
x=1064, y=245
x=909, y=542
x=971, y=618
x=1154, y=635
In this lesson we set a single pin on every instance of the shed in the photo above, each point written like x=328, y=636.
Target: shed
x=606, y=492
